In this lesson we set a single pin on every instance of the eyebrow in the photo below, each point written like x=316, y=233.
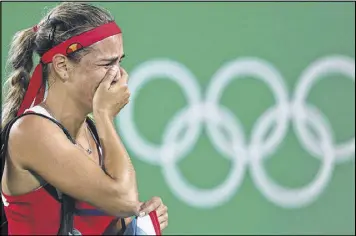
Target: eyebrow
x=113, y=58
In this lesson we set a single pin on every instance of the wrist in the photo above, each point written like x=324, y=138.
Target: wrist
x=102, y=113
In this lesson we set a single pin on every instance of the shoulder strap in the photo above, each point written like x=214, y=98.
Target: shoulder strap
x=95, y=134
x=92, y=128
x=67, y=202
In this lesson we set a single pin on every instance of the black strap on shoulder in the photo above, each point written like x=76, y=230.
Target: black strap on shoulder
x=93, y=130
x=67, y=202
x=95, y=135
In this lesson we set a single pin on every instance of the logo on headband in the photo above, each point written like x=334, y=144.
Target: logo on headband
x=74, y=47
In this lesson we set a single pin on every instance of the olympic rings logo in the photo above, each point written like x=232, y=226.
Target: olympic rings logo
x=242, y=153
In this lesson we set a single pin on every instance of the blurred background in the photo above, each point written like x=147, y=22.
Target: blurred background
x=242, y=116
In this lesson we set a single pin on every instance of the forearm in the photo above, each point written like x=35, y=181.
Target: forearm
x=117, y=162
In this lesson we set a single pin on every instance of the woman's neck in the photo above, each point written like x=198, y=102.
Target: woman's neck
x=67, y=112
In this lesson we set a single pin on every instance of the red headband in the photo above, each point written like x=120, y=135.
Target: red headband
x=35, y=92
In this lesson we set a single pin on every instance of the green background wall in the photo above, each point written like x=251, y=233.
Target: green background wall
x=203, y=38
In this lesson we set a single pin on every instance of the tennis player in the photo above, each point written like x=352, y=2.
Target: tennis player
x=63, y=169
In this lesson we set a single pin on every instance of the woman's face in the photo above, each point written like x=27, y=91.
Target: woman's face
x=86, y=75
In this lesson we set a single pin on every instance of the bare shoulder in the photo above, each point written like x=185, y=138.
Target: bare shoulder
x=32, y=128
x=29, y=132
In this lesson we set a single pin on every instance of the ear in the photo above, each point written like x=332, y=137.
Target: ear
x=60, y=64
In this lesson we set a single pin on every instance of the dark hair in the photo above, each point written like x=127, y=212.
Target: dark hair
x=61, y=23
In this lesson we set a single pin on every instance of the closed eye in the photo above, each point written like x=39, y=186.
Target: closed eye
x=112, y=61
x=110, y=64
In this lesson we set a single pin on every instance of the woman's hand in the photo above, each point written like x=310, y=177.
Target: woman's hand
x=156, y=204
x=113, y=93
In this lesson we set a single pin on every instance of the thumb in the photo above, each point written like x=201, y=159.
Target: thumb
x=109, y=77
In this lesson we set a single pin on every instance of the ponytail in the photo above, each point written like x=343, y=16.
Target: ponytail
x=21, y=62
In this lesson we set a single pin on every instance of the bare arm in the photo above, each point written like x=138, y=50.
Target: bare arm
x=116, y=159
x=51, y=155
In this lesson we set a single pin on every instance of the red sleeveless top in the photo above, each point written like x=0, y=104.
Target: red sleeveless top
x=38, y=213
